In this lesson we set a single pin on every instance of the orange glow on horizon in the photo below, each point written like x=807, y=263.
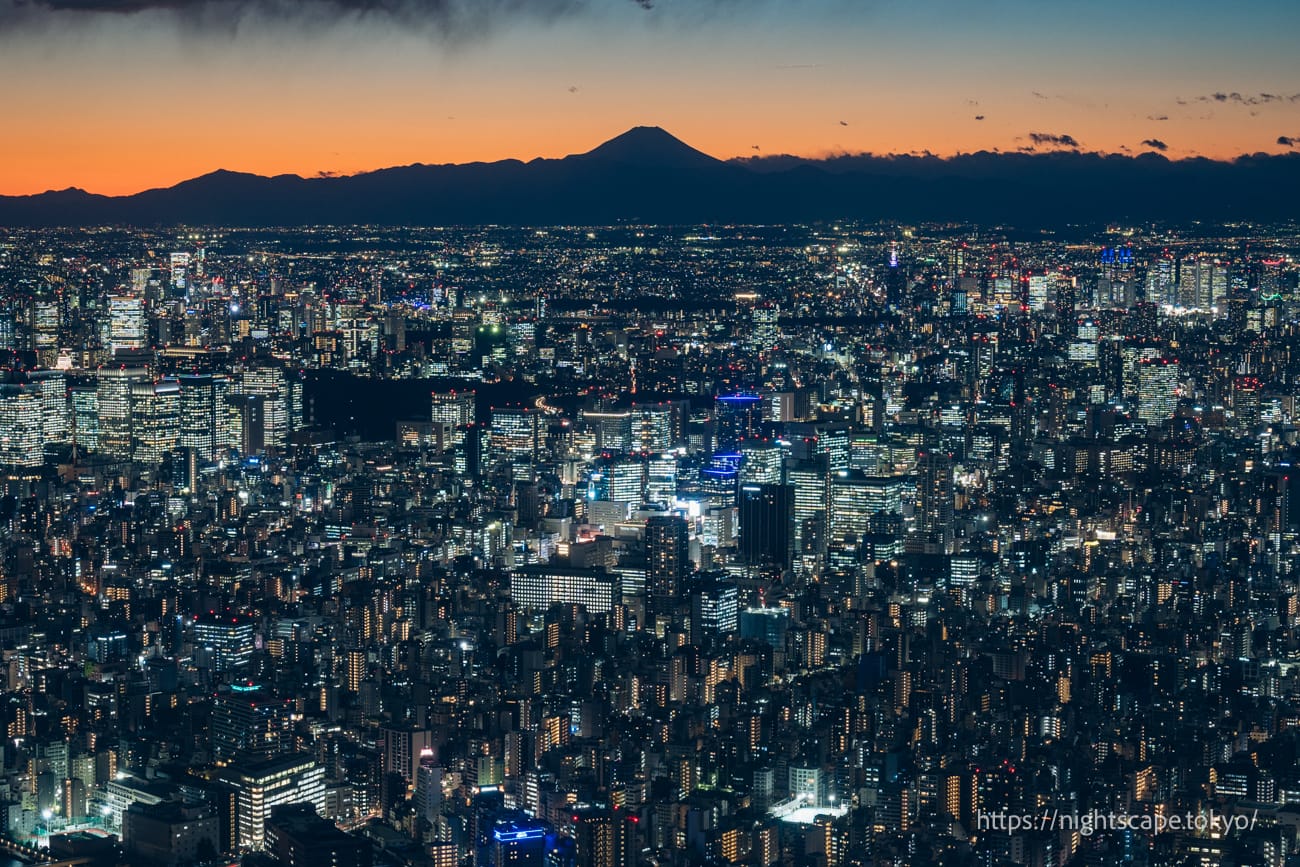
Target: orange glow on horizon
x=123, y=166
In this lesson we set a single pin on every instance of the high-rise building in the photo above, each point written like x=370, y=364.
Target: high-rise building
x=260, y=787
x=282, y=401
x=737, y=417
x=519, y=843
x=610, y=431
x=85, y=416
x=514, y=440
x=455, y=408
x=653, y=427
x=21, y=427
x=403, y=747
x=128, y=327
x=223, y=642
x=56, y=416
x=155, y=420
x=202, y=414
x=595, y=838
x=250, y=724
x=540, y=587
x=934, y=491
x=766, y=525
x=856, y=498
x=667, y=548
x=1157, y=389
x=810, y=482
x=113, y=402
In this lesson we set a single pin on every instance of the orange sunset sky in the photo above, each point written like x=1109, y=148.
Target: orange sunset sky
x=118, y=102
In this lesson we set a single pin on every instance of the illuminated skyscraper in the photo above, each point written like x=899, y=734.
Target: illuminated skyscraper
x=455, y=408
x=202, y=413
x=155, y=420
x=515, y=439
x=127, y=326
x=934, y=494
x=736, y=417
x=261, y=786
x=282, y=401
x=223, y=642
x=518, y=844
x=113, y=402
x=21, y=436
x=667, y=551
x=1157, y=389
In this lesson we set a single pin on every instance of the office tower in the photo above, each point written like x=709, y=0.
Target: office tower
x=243, y=424
x=715, y=609
x=761, y=463
x=180, y=264
x=766, y=525
x=612, y=431
x=514, y=440
x=21, y=427
x=934, y=491
x=1157, y=389
x=661, y=479
x=128, y=327
x=653, y=427
x=765, y=333
x=249, y=724
x=260, y=787
x=856, y=498
x=1037, y=292
x=618, y=480
x=282, y=401
x=521, y=843
x=223, y=642
x=540, y=587
x=456, y=408
x=113, y=401
x=51, y=387
x=667, y=549
x=155, y=420
x=736, y=417
x=811, y=485
x=297, y=837
x=203, y=414
x=85, y=416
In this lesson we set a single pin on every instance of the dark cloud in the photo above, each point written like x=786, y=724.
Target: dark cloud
x=844, y=123
x=1058, y=139
x=979, y=117
x=445, y=17
x=1236, y=98
x=1157, y=117
x=1155, y=144
x=1288, y=141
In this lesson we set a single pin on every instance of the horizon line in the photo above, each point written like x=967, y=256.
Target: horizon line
x=742, y=159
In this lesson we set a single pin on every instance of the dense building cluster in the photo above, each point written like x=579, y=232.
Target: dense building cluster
x=603, y=547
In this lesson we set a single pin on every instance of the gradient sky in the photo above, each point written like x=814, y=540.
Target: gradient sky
x=118, y=102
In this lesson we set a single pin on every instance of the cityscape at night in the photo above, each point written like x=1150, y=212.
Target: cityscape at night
x=649, y=433
x=834, y=544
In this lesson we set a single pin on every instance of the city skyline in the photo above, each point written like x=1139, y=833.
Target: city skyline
x=142, y=97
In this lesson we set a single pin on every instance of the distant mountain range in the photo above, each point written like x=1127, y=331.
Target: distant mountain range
x=646, y=175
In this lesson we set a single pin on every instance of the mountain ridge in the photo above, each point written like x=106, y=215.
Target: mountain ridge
x=648, y=175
